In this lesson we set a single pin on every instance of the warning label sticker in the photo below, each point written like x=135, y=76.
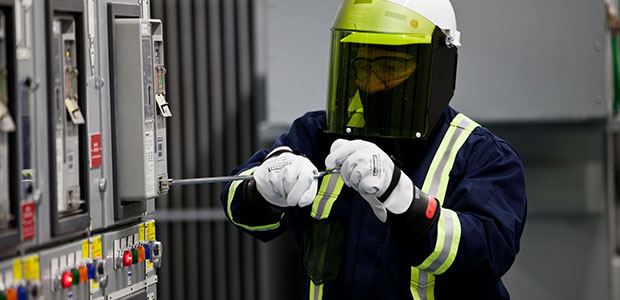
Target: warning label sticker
x=149, y=164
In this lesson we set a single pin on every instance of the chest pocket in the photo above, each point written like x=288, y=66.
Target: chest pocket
x=325, y=234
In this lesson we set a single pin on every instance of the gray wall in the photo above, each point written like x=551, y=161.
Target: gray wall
x=532, y=71
x=520, y=60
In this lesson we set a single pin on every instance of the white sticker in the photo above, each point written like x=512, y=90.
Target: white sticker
x=130, y=240
x=136, y=238
x=2, y=286
x=60, y=186
x=63, y=262
x=129, y=278
x=117, y=245
x=149, y=164
x=54, y=266
x=8, y=277
x=71, y=260
x=56, y=27
x=70, y=161
x=124, y=243
x=78, y=257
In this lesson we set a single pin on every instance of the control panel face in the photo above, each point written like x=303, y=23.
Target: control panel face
x=7, y=126
x=67, y=116
x=163, y=109
x=141, y=108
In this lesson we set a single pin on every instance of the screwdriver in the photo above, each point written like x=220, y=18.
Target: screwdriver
x=166, y=183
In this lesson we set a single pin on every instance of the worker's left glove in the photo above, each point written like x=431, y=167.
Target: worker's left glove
x=372, y=173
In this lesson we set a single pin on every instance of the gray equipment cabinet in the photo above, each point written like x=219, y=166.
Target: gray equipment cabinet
x=68, y=129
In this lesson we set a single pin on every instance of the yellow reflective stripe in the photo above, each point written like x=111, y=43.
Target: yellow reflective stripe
x=316, y=291
x=445, y=175
x=443, y=148
x=441, y=237
x=231, y=194
x=357, y=110
x=422, y=285
x=454, y=245
x=449, y=225
x=331, y=186
x=448, y=237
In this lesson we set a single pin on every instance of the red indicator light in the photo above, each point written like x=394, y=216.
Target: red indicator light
x=66, y=279
x=141, y=254
x=127, y=258
x=83, y=274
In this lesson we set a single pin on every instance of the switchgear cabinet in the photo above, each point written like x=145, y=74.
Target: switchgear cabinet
x=10, y=153
x=139, y=109
x=68, y=132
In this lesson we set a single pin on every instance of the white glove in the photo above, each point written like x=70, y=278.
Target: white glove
x=287, y=179
x=368, y=169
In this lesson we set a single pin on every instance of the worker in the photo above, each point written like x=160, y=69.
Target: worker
x=422, y=202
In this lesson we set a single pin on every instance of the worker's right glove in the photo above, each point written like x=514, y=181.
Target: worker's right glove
x=286, y=179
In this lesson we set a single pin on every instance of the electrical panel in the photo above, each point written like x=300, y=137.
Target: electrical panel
x=10, y=156
x=82, y=92
x=69, y=170
x=140, y=109
x=7, y=125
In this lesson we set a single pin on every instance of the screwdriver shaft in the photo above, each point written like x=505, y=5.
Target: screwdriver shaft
x=221, y=179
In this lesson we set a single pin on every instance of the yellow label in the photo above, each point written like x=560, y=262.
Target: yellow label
x=94, y=286
x=96, y=251
x=85, y=250
x=149, y=266
x=17, y=270
x=150, y=230
x=141, y=232
x=31, y=267
x=95, y=247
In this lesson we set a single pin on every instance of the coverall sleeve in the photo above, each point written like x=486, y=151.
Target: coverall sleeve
x=242, y=203
x=487, y=211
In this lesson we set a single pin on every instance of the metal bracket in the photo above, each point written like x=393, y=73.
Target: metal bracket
x=133, y=288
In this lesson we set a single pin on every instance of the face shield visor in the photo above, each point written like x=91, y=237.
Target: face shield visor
x=389, y=84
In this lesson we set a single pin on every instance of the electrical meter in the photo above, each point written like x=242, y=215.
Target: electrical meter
x=69, y=169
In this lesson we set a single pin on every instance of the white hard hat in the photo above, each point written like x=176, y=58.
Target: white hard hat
x=439, y=12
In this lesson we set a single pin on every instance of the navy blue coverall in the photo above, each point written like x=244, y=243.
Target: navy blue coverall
x=486, y=190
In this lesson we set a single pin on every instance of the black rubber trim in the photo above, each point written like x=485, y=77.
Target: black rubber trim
x=416, y=220
x=274, y=154
x=252, y=197
x=393, y=183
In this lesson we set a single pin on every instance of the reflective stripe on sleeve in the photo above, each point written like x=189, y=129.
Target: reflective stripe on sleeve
x=231, y=195
x=449, y=225
x=316, y=291
x=448, y=237
x=331, y=186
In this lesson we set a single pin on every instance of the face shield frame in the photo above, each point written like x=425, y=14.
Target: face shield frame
x=407, y=110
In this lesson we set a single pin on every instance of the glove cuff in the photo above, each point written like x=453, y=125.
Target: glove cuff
x=277, y=151
x=255, y=201
x=393, y=183
x=419, y=217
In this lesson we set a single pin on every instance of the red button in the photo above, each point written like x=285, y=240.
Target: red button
x=66, y=280
x=127, y=258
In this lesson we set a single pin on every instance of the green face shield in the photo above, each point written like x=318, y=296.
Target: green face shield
x=389, y=76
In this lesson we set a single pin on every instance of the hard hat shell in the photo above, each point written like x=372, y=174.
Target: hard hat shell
x=413, y=21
